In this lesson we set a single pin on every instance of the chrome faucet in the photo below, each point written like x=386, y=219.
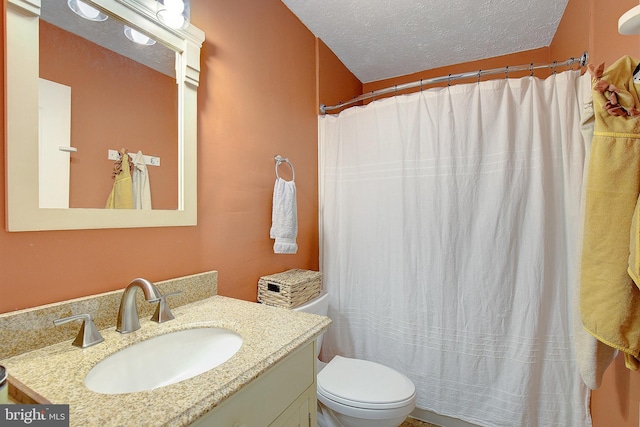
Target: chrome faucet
x=128, y=320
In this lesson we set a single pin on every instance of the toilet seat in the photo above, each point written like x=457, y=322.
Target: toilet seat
x=364, y=385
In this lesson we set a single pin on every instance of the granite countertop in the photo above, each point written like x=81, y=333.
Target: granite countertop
x=269, y=334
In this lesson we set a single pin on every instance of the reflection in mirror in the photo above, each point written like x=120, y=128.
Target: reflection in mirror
x=107, y=94
x=97, y=98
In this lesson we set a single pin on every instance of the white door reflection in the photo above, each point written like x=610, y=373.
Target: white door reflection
x=54, y=144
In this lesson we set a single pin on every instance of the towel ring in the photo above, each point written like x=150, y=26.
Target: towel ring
x=279, y=159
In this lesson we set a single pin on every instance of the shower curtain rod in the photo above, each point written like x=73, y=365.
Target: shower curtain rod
x=582, y=60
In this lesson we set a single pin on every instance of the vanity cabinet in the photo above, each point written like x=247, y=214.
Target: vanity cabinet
x=270, y=381
x=284, y=396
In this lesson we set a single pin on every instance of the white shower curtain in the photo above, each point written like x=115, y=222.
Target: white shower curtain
x=448, y=228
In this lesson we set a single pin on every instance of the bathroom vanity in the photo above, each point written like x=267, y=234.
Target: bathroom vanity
x=270, y=381
x=283, y=396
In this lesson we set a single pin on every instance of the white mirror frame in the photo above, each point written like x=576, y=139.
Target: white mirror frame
x=21, y=155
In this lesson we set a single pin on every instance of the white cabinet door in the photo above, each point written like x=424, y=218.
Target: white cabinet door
x=282, y=396
x=298, y=414
x=54, y=132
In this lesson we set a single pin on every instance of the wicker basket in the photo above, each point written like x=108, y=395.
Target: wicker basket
x=290, y=288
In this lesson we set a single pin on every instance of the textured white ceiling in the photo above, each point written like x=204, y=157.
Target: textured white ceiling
x=379, y=39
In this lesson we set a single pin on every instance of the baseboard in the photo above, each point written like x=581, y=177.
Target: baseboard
x=439, y=420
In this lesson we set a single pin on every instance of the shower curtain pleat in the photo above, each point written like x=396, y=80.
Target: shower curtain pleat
x=449, y=227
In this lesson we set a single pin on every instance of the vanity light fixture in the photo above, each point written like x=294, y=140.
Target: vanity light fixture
x=137, y=37
x=174, y=13
x=85, y=11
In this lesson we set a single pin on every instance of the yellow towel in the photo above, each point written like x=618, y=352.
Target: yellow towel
x=634, y=246
x=121, y=196
x=609, y=299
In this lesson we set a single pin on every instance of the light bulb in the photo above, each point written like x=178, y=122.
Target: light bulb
x=174, y=6
x=86, y=11
x=172, y=20
x=137, y=37
x=174, y=13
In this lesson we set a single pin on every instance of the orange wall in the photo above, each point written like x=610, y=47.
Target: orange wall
x=593, y=25
x=574, y=32
x=126, y=115
x=335, y=82
x=257, y=99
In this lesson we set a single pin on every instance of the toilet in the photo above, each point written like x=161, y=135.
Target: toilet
x=355, y=392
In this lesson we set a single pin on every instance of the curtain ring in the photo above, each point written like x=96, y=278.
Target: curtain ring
x=531, y=69
x=420, y=85
x=572, y=63
x=506, y=73
x=449, y=80
x=479, y=74
x=395, y=90
x=555, y=66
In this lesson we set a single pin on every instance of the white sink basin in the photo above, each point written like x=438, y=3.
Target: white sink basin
x=163, y=360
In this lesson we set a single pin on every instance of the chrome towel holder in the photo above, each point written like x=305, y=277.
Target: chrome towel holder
x=279, y=159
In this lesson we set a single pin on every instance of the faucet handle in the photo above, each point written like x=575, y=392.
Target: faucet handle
x=88, y=334
x=163, y=312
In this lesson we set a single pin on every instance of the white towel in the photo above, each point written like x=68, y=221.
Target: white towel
x=141, y=188
x=284, y=217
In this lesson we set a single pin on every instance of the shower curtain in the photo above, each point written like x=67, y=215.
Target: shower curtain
x=448, y=223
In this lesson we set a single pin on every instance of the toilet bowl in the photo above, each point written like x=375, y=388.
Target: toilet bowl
x=355, y=392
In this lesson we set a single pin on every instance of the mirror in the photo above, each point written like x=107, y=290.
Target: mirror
x=173, y=126
x=92, y=76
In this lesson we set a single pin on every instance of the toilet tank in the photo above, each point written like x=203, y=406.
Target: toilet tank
x=318, y=305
